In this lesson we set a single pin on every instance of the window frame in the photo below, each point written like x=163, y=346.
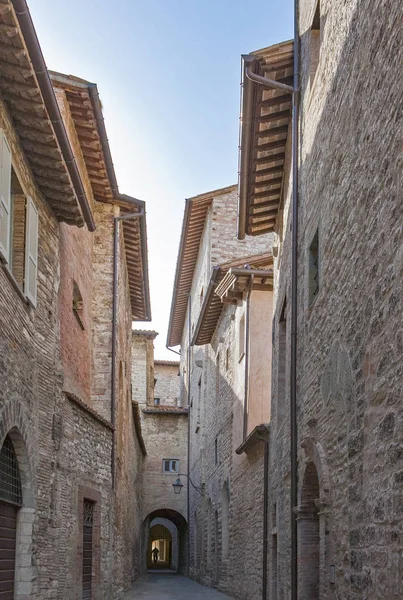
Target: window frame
x=170, y=471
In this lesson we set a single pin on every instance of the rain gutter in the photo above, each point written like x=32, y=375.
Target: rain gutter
x=52, y=107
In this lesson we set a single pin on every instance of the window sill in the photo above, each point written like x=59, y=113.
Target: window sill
x=15, y=284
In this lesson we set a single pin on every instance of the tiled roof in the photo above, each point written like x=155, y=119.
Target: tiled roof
x=166, y=410
x=265, y=118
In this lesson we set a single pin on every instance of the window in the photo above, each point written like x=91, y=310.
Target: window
x=227, y=359
x=241, y=338
x=157, y=401
x=216, y=451
x=18, y=227
x=313, y=268
x=201, y=295
x=170, y=465
x=315, y=44
x=78, y=304
x=88, y=548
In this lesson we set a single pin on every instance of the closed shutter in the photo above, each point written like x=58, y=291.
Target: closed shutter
x=31, y=252
x=5, y=198
x=8, y=531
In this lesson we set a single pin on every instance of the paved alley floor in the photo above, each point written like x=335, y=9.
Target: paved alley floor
x=169, y=586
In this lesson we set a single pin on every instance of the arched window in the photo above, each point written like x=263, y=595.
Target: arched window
x=309, y=535
x=209, y=533
x=225, y=522
x=10, y=502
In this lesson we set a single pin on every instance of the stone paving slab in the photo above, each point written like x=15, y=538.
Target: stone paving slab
x=162, y=586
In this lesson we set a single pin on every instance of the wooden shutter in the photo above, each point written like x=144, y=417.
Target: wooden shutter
x=31, y=252
x=5, y=198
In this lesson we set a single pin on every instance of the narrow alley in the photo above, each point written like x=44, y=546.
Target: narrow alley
x=169, y=586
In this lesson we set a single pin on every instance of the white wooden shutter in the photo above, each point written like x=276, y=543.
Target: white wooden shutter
x=31, y=252
x=5, y=198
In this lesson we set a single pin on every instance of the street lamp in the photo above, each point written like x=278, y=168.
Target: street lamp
x=178, y=485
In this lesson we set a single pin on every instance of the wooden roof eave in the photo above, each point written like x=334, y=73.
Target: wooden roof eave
x=265, y=114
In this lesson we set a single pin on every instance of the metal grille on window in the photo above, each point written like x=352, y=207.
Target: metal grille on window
x=88, y=513
x=10, y=480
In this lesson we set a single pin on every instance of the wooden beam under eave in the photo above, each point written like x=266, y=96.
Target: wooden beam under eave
x=263, y=160
x=43, y=161
x=267, y=213
x=276, y=101
x=266, y=194
x=15, y=87
x=274, y=116
x=272, y=203
x=273, y=131
x=24, y=105
x=270, y=145
x=36, y=135
x=268, y=182
x=36, y=148
x=57, y=196
x=52, y=184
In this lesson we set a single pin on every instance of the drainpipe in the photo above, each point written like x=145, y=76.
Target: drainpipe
x=172, y=350
x=265, y=518
x=116, y=221
x=294, y=313
x=247, y=338
x=189, y=356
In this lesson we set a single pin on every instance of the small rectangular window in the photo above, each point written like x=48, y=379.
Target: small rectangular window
x=157, y=401
x=314, y=275
x=216, y=451
x=170, y=465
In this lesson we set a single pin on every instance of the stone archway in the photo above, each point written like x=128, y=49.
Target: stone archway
x=18, y=505
x=178, y=528
x=314, y=544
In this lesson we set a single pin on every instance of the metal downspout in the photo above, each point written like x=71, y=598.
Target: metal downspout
x=294, y=315
x=265, y=518
x=247, y=339
x=116, y=221
x=189, y=356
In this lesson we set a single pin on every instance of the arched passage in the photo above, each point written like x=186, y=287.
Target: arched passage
x=309, y=535
x=16, y=518
x=314, y=523
x=174, y=536
x=159, y=555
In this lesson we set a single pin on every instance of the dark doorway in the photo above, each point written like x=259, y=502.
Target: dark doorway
x=309, y=535
x=10, y=503
x=88, y=530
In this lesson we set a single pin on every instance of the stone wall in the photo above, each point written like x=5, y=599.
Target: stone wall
x=349, y=337
x=165, y=435
x=55, y=403
x=167, y=385
x=226, y=524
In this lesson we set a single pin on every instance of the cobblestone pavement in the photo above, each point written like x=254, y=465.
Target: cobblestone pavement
x=172, y=587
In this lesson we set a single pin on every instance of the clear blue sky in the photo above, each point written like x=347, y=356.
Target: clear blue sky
x=168, y=74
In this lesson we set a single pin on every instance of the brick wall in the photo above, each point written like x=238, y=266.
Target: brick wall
x=167, y=386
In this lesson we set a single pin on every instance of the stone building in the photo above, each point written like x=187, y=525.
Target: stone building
x=71, y=450
x=221, y=317
x=165, y=429
x=349, y=305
